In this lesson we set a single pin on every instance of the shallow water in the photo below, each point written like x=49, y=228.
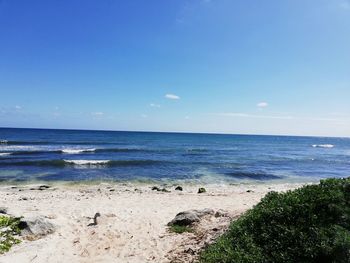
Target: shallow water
x=71, y=155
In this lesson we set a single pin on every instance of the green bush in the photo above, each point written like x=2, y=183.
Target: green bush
x=310, y=224
x=8, y=230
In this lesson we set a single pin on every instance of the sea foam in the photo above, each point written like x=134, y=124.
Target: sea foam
x=76, y=151
x=87, y=162
x=323, y=145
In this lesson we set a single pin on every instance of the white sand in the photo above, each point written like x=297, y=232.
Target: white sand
x=132, y=226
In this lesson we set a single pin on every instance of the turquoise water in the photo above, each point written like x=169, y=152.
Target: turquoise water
x=72, y=155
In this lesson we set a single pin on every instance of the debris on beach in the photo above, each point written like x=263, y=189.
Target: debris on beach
x=94, y=219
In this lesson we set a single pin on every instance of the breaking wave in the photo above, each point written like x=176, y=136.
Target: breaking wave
x=77, y=151
x=64, y=163
x=323, y=145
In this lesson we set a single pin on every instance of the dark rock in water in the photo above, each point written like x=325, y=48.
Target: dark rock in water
x=249, y=191
x=189, y=217
x=201, y=190
x=178, y=188
x=35, y=228
x=3, y=210
x=156, y=188
x=165, y=190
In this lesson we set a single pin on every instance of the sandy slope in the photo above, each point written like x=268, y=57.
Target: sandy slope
x=132, y=226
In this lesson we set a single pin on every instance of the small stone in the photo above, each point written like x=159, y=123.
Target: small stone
x=3, y=210
x=189, y=251
x=221, y=213
x=249, y=191
x=165, y=190
x=112, y=190
x=178, y=188
x=201, y=190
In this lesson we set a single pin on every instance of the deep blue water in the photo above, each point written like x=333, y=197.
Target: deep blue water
x=71, y=155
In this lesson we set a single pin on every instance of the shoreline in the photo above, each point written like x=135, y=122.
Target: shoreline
x=133, y=222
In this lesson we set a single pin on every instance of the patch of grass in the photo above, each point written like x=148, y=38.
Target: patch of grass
x=180, y=229
x=8, y=230
x=310, y=224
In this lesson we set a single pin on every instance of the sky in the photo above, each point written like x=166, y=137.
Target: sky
x=218, y=66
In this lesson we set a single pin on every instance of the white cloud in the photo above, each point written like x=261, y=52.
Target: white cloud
x=187, y=117
x=97, y=114
x=262, y=104
x=279, y=117
x=172, y=96
x=247, y=115
x=17, y=107
x=144, y=116
x=154, y=105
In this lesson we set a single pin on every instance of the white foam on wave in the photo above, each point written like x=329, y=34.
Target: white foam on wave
x=18, y=148
x=323, y=145
x=5, y=154
x=87, y=162
x=76, y=151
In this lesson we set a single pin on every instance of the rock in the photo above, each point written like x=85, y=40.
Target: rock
x=190, y=251
x=221, y=213
x=201, y=190
x=249, y=191
x=178, y=188
x=189, y=217
x=40, y=187
x=3, y=210
x=35, y=228
x=156, y=188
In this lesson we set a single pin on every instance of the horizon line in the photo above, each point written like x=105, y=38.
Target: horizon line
x=178, y=132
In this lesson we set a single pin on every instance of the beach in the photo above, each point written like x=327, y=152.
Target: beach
x=132, y=226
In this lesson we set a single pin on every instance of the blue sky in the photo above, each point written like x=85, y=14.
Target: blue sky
x=256, y=67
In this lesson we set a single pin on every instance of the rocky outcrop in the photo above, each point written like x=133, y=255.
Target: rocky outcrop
x=35, y=228
x=189, y=217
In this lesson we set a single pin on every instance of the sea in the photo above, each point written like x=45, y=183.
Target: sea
x=85, y=155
